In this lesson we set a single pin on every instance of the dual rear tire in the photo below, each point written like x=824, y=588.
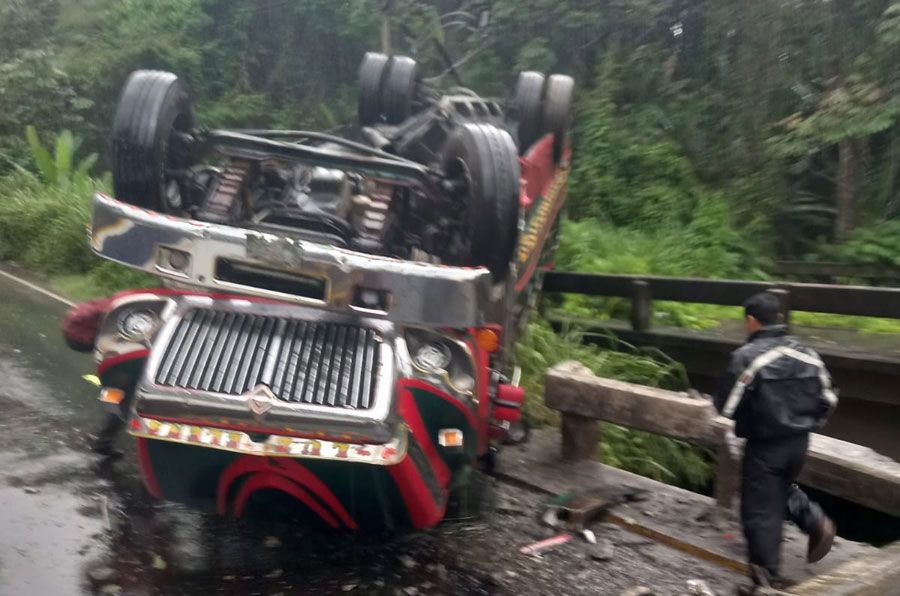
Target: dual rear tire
x=541, y=106
x=387, y=89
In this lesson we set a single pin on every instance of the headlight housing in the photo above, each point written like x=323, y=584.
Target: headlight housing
x=442, y=360
x=130, y=325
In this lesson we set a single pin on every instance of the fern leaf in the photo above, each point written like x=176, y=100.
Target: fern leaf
x=84, y=168
x=64, y=149
x=42, y=158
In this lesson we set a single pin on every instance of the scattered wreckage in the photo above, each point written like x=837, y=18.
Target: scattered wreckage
x=337, y=315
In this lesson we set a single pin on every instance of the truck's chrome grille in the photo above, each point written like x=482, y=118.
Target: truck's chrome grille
x=307, y=362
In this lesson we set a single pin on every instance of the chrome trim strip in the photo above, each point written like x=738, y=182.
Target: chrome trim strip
x=386, y=454
x=421, y=293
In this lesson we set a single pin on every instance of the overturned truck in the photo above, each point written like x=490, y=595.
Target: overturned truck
x=337, y=314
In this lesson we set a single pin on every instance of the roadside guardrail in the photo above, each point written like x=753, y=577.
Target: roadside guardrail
x=846, y=470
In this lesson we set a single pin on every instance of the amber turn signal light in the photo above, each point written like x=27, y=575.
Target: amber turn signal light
x=450, y=437
x=112, y=396
x=488, y=340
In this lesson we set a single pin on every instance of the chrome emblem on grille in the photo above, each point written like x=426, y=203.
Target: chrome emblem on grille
x=260, y=399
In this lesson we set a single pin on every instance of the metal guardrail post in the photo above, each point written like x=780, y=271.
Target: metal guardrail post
x=641, y=305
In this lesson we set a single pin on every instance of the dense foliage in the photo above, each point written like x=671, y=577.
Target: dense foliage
x=650, y=455
x=775, y=122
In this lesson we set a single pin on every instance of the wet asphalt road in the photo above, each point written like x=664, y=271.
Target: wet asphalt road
x=72, y=525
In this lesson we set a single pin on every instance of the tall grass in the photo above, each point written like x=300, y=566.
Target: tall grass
x=667, y=460
x=44, y=228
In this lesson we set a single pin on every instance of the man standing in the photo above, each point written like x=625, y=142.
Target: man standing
x=777, y=391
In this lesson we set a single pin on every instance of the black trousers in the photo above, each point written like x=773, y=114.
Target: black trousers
x=769, y=496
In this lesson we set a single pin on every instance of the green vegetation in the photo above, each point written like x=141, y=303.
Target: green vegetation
x=713, y=138
x=663, y=459
x=43, y=222
x=731, y=133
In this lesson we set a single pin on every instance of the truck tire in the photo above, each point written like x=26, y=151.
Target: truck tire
x=485, y=159
x=371, y=77
x=399, y=90
x=558, y=98
x=527, y=108
x=153, y=109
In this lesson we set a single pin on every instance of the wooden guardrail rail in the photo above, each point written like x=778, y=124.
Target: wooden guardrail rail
x=830, y=272
x=843, y=469
x=642, y=290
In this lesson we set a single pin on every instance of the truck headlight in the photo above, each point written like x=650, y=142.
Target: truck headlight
x=433, y=356
x=442, y=359
x=137, y=325
x=131, y=324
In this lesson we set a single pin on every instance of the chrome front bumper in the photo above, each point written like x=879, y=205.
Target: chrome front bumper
x=249, y=401
x=420, y=293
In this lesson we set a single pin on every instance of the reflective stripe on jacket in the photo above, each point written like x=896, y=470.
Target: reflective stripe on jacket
x=775, y=387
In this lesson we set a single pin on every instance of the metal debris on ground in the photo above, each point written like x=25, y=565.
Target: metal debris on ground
x=603, y=551
x=159, y=563
x=103, y=575
x=546, y=544
x=439, y=569
x=574, y=512
x=698, y=587
x=589, y=536
x=638, y=591
x=104, y=507
x=510, y=506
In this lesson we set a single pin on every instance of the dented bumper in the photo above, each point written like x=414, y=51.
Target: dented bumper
x=206, y=255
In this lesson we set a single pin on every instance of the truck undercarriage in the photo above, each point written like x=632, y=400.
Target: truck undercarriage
x=338, y=314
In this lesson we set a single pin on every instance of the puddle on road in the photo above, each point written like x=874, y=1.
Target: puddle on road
x=51, y=525
x=55, y=507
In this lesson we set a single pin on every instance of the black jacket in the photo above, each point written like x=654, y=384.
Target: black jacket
x=775, y=387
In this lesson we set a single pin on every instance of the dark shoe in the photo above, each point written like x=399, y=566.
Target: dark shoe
x=763, y=583
x=820, y=541
x=760, y=577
